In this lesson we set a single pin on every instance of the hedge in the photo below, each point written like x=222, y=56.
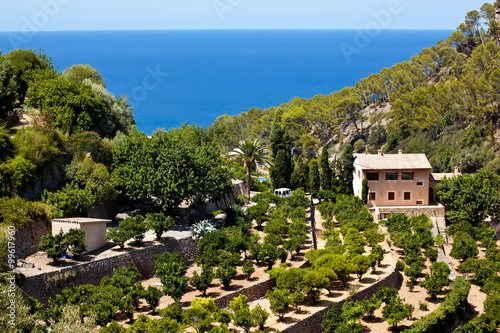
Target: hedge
x=444, y=317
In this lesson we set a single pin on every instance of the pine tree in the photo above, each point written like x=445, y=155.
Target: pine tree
x=279, y=139
x=326, y=172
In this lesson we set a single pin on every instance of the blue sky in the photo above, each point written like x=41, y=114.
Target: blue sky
x=53, y=15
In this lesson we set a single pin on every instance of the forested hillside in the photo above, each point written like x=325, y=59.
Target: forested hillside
x=442, y=102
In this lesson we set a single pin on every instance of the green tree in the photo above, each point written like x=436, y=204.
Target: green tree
x=134, y=226
x=365, y=190
x=159, y=223
x=279, y=302
x=8, y=88
x=248, y=268
x=471, y=197
x=345, y=170
x=51, y=246
x=300, y=175
x=23, y=62
x=258, y=213
x=74, y=242
x=170, y=269
x=118, y=236
x=438, y=278
x=281, y=172
x=251, y=153
x=312, y=283
x=314, y=176
x=242, y=316
x=174, y=166
x=360, y=265
x=268, y=255
x=79, y=73
x=152, y=297
x=203, y=281
x=259, y=316
x=226, y=273
x=464, y=246
x=395, y=311
x=90, y=143
x=70, y=201
x=326, y=172
x=332, y=319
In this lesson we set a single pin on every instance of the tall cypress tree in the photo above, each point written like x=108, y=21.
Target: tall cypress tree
x=326, y=172
x=295, y=179
x=280, y=172
x=314, y=177
x=345, y=170
x=280, y=142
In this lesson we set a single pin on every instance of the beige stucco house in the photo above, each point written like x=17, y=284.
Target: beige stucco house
x=95, y=229
x=393, y=179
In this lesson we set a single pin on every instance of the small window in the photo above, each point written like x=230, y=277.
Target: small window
x=372, y=196
x=407, y=195
x=391, y=196
x=391, y=175
x=407, y=175
x=420, y=183
x=372, y=176
x=420, y=202
x=359, y=174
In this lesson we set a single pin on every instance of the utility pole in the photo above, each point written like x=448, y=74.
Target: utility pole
x=313, y=225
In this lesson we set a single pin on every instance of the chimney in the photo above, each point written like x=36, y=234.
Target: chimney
x=400, y=152
x=380, y=152
x=456, y=171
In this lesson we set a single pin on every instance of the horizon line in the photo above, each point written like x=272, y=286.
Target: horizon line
x=226, y=29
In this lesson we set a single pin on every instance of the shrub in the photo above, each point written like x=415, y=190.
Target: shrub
x=279, y=302
x=135, y=226
x=170, y=269
x=159, y=223
x=70, y=201
x=463, y=246
x=226, y=273
x=117, y=236
x=203, y=281
x=72, y=242
x=258, y=213
x=423, y=306
x=18, y=212
x=248, y=268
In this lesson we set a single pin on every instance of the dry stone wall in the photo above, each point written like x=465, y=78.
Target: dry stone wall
x=28, y=237
x=437, y=211
x=312, y=323
x=44, y=286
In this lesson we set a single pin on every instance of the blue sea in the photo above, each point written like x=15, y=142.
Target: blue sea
x=194, y=76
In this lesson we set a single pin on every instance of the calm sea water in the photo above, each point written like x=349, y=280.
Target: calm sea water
x=195, y=76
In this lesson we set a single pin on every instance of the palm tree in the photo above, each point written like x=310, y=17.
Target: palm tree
x=252, y=154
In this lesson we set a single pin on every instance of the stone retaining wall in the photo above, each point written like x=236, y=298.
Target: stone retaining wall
x=28, y=237
x=312, y=323
x=253, y=292
x=431, y=211
x=45, y=285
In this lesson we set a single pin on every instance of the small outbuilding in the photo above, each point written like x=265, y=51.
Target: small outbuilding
x=95, y=229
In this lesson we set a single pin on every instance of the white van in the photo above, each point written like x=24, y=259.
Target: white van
x=283, y=192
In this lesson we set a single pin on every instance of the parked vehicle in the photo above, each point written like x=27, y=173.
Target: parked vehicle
x=283, y=192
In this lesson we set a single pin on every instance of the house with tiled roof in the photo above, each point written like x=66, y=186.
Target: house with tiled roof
x=393, y=179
